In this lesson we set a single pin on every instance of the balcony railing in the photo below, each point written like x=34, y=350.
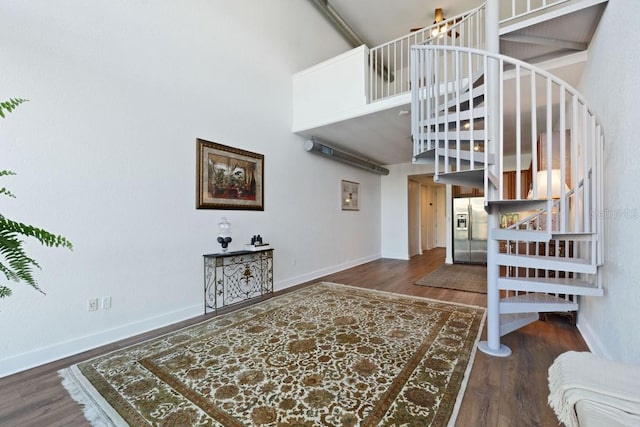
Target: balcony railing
x=389, y=63
x=515, y=9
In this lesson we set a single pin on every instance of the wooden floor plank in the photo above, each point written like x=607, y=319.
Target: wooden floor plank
x=500, y=391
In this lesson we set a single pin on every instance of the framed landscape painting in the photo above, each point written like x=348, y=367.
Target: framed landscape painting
x=228, y=177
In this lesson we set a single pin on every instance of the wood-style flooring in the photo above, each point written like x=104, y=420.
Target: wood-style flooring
x=508, y=391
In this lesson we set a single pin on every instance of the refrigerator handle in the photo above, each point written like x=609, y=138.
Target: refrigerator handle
x=470, y=227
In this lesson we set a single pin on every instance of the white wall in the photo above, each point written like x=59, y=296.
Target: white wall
x=611, y=83
x=331, y=90
x=105, y=154
x=394, y=194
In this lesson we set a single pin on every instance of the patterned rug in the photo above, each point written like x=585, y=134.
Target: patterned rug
x=462, y=277
x=324, y=355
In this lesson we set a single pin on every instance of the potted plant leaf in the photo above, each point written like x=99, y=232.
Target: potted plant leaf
x=15, y=264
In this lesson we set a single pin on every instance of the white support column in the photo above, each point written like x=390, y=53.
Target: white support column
x=448, y=201
x=493, y=346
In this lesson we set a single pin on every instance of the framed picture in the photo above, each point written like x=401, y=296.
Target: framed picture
x=228, y=178
x=349, y=195
x=508, y=219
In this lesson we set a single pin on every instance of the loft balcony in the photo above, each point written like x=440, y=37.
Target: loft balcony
x=360, y=100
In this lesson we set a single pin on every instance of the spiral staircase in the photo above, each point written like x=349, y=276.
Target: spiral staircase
x=471, y=109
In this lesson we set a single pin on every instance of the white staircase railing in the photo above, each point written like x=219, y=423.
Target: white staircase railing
x=389, y=69
x=450, y=125
x=518, y=8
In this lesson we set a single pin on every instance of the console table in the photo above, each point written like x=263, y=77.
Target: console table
x=233, y=277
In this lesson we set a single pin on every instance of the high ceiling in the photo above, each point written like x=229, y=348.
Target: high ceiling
x=384, y=136
x=380, y=21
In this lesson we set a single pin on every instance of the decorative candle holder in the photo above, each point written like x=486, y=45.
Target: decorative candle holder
x=224, y=234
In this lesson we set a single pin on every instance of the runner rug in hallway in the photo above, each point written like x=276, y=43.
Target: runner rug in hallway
x=462, y=277
x=322, y=355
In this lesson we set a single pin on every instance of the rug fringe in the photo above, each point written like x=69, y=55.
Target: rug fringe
x=91, y=409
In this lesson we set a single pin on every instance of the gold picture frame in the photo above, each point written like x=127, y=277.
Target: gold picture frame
x=228, y=177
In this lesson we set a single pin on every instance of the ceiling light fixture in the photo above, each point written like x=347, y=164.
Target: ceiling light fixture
x=439, y=17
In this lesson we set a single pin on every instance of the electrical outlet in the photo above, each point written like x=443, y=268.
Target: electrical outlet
x=93, y=304
x=106, y=303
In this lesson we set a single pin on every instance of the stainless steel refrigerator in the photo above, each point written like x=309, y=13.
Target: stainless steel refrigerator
x=469, y=230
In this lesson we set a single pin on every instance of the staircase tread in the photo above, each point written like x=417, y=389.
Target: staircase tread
x=536, y=298
x=468, y=177
x=540, y=235
x=554, y=280
x=477, y=113
x=569, y=260
x=510, y=322
x=465, y=155
x=518, y=201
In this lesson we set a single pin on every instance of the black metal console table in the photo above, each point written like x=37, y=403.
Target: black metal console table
x=232, y=277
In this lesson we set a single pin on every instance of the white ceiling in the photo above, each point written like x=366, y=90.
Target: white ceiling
x=380, y=21
x=384, y=137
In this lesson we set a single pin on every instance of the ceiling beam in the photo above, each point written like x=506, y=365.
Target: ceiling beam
x=544, y=41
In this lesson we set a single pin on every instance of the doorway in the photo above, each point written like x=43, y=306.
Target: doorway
x=427, y=217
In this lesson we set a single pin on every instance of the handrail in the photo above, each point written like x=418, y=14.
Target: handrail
x=389, y=62
x=389, y=72
x=520, y=8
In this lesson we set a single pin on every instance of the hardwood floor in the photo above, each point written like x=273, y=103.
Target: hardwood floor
x=500, y=391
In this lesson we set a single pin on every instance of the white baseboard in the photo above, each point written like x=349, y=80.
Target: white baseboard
x=591, y=338
x=293, y=281
x=31, y=359
x=402, y=256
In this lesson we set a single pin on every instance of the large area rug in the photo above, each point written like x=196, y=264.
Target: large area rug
x=324, y=355
x=462, y=277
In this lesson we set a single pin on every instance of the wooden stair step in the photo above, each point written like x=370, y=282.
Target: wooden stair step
x=510, y=322
x=536, y=302
x=541, y=262
x=554, y=285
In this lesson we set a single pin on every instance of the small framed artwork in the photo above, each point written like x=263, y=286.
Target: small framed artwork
x=508, y=220
x=228, y=178
x=349, y=195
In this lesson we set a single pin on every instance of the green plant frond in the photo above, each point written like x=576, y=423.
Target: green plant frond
x=16, y=265
x=6, y=192
x=43, y=236
x=10, y=105
x=6, y=172
x=5, y=292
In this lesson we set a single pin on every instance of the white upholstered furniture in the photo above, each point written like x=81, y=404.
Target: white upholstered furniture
x=589, y=391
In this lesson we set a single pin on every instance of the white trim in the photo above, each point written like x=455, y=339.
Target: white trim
x=31, y=359
x=591, y=338
x=323, y=272
x=356, y=51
